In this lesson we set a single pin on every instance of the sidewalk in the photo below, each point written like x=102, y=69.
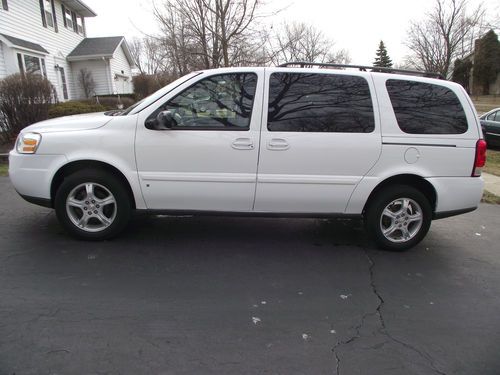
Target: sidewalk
x=491, y=183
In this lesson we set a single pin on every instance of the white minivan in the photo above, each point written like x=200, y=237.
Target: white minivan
x=394, y=149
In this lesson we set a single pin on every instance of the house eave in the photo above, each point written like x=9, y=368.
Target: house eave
x=127, y=52
x=88, y=57
x=80, y=7
x=33, y=51
x=6, y=39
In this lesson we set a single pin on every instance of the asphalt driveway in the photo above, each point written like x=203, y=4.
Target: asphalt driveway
x=225, y=295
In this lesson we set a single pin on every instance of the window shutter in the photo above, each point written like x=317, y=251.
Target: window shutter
x=54, y=15
x=73, y=17
x=64, y=15
x=20, y=64
x=44, y=21
x=5, y=5
x=83, y=26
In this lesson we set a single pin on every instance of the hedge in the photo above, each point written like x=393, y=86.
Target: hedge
x=74, y=108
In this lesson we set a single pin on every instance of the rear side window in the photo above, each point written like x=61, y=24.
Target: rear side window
x=423, y=108
x=303, y=102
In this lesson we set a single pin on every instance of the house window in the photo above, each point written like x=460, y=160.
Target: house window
x=63, y=82
x=47, y=8
x=5, y=6
x=79, y=24
x=68, y=19
x=31, y=64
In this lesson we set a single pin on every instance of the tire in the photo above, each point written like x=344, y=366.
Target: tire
x=391, y=225
x=92, y=204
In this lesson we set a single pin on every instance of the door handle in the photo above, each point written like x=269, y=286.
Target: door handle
x=278, y=144
x=242, y=144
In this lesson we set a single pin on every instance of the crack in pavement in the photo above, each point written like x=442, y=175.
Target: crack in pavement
x=383, y=328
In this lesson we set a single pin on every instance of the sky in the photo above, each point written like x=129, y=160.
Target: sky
x=355, y=25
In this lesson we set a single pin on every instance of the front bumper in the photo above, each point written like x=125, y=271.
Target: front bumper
x=32, y=174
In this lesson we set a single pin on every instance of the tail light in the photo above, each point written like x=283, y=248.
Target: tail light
x=480, y=158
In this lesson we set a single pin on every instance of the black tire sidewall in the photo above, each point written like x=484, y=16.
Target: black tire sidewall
x=106, y=179
x=378, y=204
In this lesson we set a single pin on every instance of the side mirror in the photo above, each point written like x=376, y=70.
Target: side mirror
x=163, y=121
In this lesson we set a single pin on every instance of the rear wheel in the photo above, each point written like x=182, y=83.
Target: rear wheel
x=92, y=205
x=398, y=217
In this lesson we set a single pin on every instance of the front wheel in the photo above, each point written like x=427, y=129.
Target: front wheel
x=398, y=217
x=92, y=205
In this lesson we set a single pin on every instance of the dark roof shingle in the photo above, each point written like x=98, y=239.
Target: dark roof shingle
x=25, y=44
x=96, y=47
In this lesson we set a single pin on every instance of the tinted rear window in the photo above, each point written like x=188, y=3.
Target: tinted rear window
x=304, y=102
x=423, y=108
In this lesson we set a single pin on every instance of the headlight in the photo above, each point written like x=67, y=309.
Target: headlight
x=28, y=143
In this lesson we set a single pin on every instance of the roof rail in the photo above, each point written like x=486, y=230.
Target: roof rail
x=306, y=64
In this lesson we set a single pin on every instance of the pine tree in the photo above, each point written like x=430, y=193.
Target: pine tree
x=487, y=60
x=382, y=58
x=461, y=72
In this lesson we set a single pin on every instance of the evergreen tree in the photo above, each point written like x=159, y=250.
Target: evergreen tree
x=461, y=72
x=382, y=58
x=487, y=61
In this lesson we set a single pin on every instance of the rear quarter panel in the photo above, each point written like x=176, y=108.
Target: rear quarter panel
x=425, y=155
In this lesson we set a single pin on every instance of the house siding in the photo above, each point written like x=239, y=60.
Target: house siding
x=3, y=71
x=99, y=69
x=120, y=67
x=23, y=20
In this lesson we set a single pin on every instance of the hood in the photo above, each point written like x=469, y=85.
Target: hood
x=70, y=123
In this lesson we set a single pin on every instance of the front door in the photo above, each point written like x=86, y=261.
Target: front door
x=320, y=136
x=207, y=161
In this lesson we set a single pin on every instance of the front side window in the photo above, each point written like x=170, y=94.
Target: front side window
x=424, y=108
x=222, y=102
x=495, y=116
x=311, y=102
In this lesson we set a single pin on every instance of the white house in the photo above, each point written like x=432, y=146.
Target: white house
x=48, y=37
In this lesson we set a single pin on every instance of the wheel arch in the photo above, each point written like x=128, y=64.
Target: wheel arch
x=77, y=165
x=412, y=180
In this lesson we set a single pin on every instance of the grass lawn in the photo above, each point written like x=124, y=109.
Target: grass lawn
x=485, y=103
x=4, y=167
x=490, y=198
x=492, y=162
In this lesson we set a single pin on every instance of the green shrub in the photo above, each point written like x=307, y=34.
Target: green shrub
x=145, y=84
x=24, y=100
x=74, y=108
x=130, y=96
x=113, y=102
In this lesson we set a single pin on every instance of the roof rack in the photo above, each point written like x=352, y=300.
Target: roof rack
x=306, y=64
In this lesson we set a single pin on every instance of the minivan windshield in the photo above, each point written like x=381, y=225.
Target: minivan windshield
x=156, y=95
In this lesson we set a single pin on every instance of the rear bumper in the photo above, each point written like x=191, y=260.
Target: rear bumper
x=456, y=195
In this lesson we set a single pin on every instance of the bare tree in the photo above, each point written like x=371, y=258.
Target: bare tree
x=149, y=55
x=137, y=51
x=86, y=82
x=302, y=42
x=447, y=33
x=202, y=34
